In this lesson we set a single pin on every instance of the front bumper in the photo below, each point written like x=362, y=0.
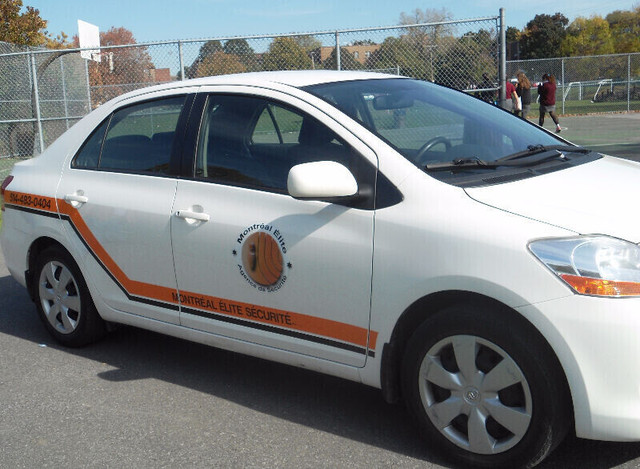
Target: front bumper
x=597, y=341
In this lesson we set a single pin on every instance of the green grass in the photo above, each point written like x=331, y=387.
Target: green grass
x=585, y=106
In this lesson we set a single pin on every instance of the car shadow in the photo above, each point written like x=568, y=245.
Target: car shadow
x=304, y=397
x=340, y=407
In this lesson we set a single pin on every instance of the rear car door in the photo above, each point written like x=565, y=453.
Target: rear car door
x=118, y=192
x=253, y=263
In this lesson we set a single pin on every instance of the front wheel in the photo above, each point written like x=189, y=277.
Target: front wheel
x=63, y=300
x=484, y=388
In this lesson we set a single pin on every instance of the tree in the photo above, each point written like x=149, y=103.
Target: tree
x=405, y=55
x=21, y=28
x=307, y=42
x=220, y=63
x=364, y=42
x=513, y=43
x=347, y=61
x=128, y=67
x=512, y=34
x=61, y=41
x=429, y=15
x=239, y=47
x=286, y=54
x=587, y=37
x=207, y=49
x=430, y=35
x=417, y=50
x=243, y=52
x=624, y=27
x=543, y=36
x=457, y=71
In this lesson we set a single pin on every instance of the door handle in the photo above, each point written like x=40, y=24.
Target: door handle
x=189, y=215
x=76, y=199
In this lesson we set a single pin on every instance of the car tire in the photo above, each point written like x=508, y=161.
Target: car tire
x=63, y=300
x=485, y=388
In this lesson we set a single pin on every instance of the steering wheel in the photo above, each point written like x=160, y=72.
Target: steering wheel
x=430, y=144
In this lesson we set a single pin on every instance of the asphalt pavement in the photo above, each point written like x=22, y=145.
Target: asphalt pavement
x=140, y=399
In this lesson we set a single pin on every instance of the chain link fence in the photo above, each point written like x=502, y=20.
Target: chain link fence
x=42, y=92
x=586, y=85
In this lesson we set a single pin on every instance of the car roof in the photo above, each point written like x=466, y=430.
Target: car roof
x=294, y=78
x=297, y=78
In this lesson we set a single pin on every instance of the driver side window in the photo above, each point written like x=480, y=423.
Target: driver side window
x=253, y=142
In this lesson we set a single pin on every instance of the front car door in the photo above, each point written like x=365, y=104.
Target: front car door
x=253, y=263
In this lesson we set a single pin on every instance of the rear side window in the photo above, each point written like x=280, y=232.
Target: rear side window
x=138, y=138
x=89, y=154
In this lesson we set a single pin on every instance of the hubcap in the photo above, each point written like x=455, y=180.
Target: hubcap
x=59, y=297
x=475, y=394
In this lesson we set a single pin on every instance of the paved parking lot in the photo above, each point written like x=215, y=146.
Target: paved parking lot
x=139, y=399
x=616, y=134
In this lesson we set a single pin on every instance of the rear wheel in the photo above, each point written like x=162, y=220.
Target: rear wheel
x=63, y=300
x=485, y=389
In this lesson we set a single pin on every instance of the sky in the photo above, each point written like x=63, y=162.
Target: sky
x=164, y=20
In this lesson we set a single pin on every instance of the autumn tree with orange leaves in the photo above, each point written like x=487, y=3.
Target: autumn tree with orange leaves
x=120, y=69
x=26, y=28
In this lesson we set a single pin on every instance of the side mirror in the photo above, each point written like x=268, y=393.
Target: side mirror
x=321, y=180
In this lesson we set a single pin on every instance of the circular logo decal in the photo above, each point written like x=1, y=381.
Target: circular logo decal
x=262, y=259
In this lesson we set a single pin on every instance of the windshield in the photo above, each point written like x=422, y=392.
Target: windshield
x=430, y=124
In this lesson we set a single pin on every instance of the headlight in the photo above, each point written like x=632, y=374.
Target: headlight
x=593, y=265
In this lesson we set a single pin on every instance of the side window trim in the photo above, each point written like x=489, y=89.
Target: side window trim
x=193, y=125
x=275, y=122
x=104, y=137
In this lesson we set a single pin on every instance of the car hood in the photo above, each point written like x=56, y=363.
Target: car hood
x=600, y=197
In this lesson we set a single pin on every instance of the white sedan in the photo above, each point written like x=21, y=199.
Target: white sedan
x=381, y=229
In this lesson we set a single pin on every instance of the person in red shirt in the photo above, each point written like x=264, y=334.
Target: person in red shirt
x=547, y=93
x=511, y=97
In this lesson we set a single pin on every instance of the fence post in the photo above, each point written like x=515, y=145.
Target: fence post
x=86, y=72
x=503, y=60
x=629, y=83
x=181, y=59
x=338, y=64
x=563, y=85
x=64, y=94
x=36, y=98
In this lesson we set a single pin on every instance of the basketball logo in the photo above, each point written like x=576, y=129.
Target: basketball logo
x=262, y=259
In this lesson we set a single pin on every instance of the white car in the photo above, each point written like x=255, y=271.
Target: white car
x=380, y=229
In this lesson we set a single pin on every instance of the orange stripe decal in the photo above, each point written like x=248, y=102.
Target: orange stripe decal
x=46, y=204
x=287, y=319
x=347, y=333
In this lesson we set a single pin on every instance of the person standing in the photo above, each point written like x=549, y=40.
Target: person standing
x=511, y=97
x=547, y=93
x=523, y=89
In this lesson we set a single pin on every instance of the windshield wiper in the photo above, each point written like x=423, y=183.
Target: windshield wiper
x=536, y=149
x=474, y=162
x=522, y=158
